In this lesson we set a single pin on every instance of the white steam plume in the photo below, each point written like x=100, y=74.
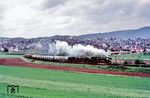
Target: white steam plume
x=62, y=48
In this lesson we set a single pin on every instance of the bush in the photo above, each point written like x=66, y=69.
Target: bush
x=144, y=70
x=123, y=68
x=125, y=63
x=137, y=61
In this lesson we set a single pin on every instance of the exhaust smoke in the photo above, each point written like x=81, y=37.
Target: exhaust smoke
x=62, y=48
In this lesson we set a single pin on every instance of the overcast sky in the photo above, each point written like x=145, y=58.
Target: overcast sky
x=34, y=18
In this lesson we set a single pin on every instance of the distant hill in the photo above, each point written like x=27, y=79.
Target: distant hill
x=41, y=44
x=134, y=33
x=143, y=32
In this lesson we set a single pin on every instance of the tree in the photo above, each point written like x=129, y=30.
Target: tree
x=137, y=61
x=6, y=50
x=125, y=63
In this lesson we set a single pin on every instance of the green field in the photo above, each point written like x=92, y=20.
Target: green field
x=42, y=83
x=9, y=55
x=131, y=57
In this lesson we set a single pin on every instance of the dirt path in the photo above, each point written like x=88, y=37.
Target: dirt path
x=22, y=63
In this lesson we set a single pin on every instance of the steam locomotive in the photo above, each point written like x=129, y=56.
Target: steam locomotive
x=67, y=59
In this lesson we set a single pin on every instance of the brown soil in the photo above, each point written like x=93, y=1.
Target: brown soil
x=22, y=63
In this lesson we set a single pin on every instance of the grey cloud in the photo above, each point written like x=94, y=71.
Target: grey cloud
x=53, y=3
x=144, y=11
x=111, y=12
x=1, y=11
x=72, y=17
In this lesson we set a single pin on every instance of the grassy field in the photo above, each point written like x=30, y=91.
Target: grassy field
x=9, y=55
x=131, y=57
x=40, y=83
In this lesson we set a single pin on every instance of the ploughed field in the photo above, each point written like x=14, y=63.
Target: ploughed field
x=49, y=83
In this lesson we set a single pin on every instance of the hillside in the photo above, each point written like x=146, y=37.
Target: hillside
x=143, y=32
x=134, y=33
x=41, y=44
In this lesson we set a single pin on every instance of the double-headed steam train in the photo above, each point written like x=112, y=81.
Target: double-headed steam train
x=67, y=59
